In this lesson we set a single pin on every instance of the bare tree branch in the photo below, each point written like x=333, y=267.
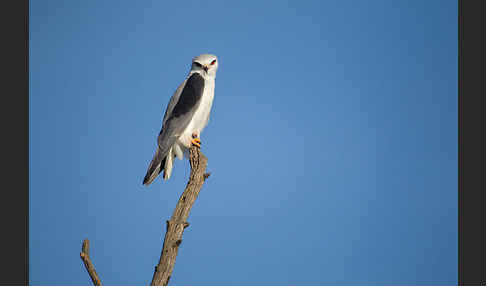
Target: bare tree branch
x=175, y=226
x=88, y=264
x=177, y=223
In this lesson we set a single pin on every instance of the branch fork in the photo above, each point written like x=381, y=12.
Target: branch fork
x=174, y=226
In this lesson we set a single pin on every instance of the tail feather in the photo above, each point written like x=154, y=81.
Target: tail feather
x=169, y=160
x=157, y=165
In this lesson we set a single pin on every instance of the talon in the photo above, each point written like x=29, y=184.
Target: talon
x=196, y=142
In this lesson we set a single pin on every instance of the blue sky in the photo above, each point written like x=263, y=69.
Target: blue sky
x=332, y=141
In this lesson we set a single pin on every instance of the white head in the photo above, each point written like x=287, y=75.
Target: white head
x=206, y=64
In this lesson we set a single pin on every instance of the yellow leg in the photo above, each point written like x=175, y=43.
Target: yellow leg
x=196, y=141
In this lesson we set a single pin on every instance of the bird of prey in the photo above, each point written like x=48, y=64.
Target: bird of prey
x=185, y=117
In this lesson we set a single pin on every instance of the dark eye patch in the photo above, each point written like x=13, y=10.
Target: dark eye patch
x=198, y=64
x=213, y=62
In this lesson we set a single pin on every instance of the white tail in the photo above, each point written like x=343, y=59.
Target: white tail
x=169, y=161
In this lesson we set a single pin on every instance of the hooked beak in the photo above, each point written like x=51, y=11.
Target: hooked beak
x=205, y=68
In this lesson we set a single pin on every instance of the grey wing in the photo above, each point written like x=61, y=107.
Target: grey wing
x=173, y=102
x=180, y=111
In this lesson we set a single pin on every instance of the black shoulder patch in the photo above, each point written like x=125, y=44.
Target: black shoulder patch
x=190, y=95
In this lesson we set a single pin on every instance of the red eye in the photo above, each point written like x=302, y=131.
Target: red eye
x=213, y=62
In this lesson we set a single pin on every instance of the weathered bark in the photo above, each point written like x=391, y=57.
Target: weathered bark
x=177, y=223
x=175, y=226
x=88, y=264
